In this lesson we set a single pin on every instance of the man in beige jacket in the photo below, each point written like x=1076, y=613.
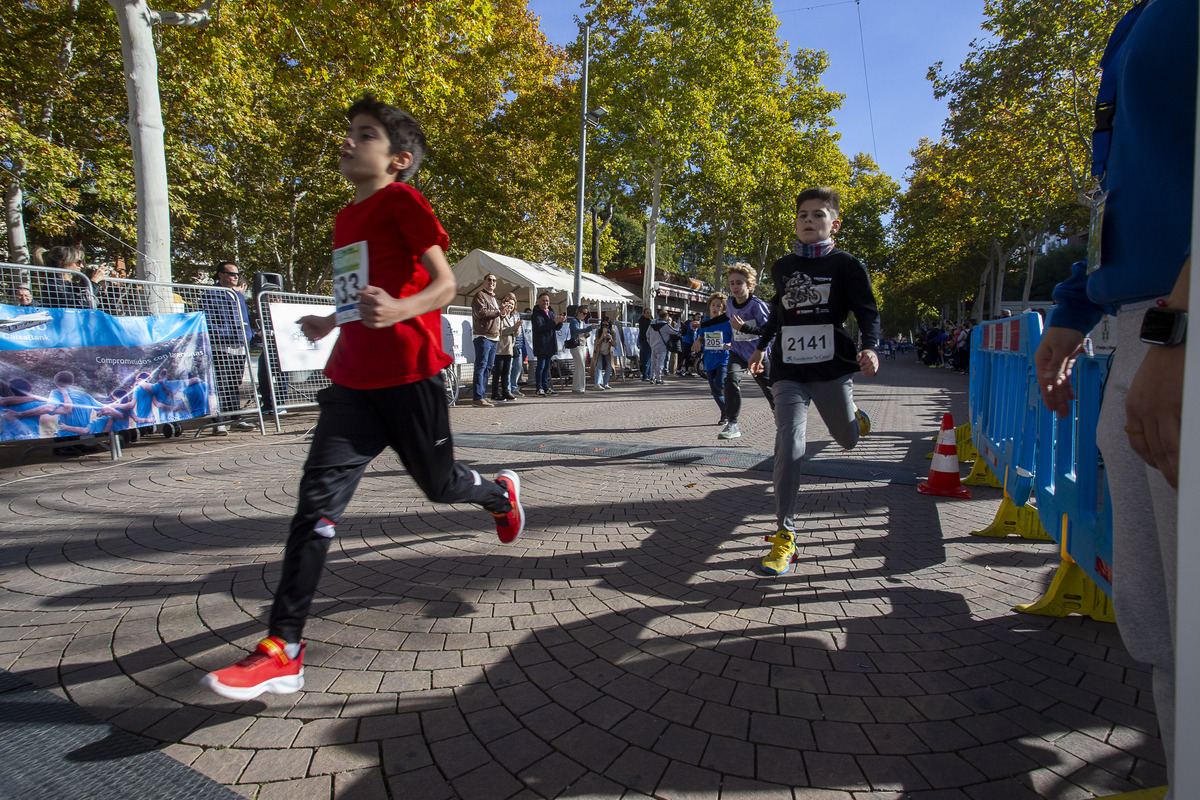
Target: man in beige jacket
x=485, y=332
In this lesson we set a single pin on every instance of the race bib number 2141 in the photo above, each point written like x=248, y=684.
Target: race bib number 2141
x=807, y=344
x=350, y=274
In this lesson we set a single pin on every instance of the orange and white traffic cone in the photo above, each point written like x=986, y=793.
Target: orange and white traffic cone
x=943, y=474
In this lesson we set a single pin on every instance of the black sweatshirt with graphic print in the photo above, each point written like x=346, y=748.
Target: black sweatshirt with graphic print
x=813, y=297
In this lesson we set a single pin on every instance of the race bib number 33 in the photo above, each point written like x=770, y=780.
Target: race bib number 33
x=350, y=274
x=807, y=344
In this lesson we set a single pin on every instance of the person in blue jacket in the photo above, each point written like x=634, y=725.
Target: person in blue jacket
x=1140, y=272
x=712, y=344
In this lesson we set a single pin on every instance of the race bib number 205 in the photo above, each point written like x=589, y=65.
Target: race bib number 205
x=807, y=344
x=350, y=274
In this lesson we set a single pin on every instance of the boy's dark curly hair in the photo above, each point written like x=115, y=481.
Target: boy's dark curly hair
x=826, y=194
x=404, y=131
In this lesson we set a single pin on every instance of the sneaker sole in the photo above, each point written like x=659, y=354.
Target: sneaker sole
x=516, y=482
x=767, y=571
x=729, y=435
x=284, y=684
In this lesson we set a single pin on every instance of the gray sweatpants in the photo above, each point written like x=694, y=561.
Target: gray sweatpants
x=1145, y=533
x=835, y=402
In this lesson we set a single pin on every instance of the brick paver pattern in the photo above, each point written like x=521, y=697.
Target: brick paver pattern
x=623, y=647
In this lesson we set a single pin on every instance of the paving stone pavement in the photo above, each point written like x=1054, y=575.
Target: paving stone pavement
x=622, y=648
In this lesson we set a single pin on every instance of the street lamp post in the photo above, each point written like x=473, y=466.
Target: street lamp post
x=586, y=119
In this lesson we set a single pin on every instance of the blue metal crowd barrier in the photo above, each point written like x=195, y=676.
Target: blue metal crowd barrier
x=1004, y=400
x=1072, y=492
x=1054, y=462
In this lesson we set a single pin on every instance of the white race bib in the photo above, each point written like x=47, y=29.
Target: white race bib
x=807, y=344
x=350, y=273
x=713, y=340
x=741, y=336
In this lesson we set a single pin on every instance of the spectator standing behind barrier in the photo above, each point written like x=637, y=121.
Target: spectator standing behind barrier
x=520, y=353
x=119, y=299
x=545, y=342
x=675, y=343
x=687, y=339
x=602, y=356
x=644, y=352
x=659, y=335
x=510, y=323
x=1143, y=271
x=229, y=332
x=485, y=328
x=23, y=296
x=63, y=291
x=577, y=345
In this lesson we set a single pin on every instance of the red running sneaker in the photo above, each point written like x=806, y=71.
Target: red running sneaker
x=267, y=669
x=510, y=525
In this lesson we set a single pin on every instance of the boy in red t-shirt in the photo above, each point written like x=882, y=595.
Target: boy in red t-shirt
x=387, y=390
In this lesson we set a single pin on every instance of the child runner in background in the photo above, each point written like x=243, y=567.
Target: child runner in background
x=747, y=315
x=712, y=344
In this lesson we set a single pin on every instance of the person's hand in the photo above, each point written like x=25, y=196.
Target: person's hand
x=868, y=362
x=736, y=322
x=1053, y=361
x=1154, y=408
x=755, y=364
x=378, y=309
x=695, y=325
x=696, y=346
x=315, y=328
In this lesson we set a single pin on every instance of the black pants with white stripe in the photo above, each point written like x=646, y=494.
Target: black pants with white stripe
x=355, y=426
x=737, y=369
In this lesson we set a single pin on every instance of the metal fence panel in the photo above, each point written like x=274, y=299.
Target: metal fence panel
x=46, y=287
x=283, y=390
x=230, y=333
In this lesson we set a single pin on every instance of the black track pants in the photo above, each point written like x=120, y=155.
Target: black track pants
x=355, y=426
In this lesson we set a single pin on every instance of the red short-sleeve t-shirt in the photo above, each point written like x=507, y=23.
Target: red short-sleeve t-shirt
x=398, y=225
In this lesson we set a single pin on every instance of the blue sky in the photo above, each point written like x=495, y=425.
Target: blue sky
x=902, y=39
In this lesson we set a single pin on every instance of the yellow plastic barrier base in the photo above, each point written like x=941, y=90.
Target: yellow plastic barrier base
x=1072, y=592
x=982, y=475
x=962, y=439
x=1013, y=520
x=1157, y=793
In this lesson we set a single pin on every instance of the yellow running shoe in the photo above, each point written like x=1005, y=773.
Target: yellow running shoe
x=864, y=422
x=783, y=553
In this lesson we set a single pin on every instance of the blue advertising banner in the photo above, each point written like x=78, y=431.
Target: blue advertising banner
x=65, y=372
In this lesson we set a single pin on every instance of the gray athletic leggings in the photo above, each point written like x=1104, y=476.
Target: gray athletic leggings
x=835, y=402
x=1145, y=533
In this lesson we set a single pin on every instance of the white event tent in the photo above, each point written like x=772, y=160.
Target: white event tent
x=527, y=279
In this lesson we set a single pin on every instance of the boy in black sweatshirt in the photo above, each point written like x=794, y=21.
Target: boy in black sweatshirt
x=813, y=359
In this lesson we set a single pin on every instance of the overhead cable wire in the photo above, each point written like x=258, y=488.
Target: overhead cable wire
x=73, y=213
x=866, y=80
x=812, y=8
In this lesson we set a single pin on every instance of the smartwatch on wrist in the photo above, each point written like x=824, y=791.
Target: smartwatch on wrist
x=1165, y=327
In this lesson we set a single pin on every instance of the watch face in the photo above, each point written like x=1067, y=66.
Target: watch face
x=1162, y=326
